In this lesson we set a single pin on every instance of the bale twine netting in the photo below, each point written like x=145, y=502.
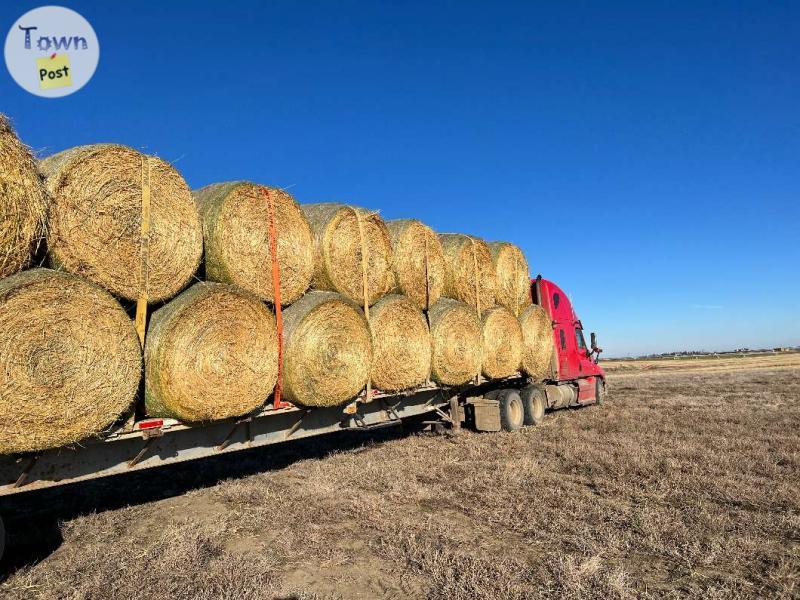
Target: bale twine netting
x=537, y=341
x=211, y=353
x=327, y=350
x=455, y=342
x=348, y=239
x=22, y=202
x=238, y=248
x=502, y=343
x=512, y=276
x=401, y=344
x=418, y=261
x=95, y=221
x=70, y=361
x=470, y=276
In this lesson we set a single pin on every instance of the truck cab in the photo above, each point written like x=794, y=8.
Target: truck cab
x=574, y=361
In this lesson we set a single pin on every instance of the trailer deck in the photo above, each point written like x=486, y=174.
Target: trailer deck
x=155, y=442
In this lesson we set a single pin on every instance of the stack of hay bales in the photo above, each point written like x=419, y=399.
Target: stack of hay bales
x=470, y=274
x=513, y=279
x=237, y=239
x=22, y=202
x=70, y=360
x=392, y=305
x=418, y=265
x=211, y=353
x=401, y=344
x=95, y=218
x=353, y=251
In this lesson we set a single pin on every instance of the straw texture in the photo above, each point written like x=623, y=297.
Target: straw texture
x=537, y=337
x=238, y=244
x=470, y=275
x=339, y=266
x=96, y=214
x=418, y=263
x=22, y=202
x=512, y=276
x=401, y=342
x=70, y=361
x=211, y=353
x=327, y=355
x=502, y=343
x=455, y=342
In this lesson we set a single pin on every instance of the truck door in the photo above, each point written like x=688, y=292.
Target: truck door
x=569, y=366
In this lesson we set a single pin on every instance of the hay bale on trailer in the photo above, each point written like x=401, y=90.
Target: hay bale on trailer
x=327, y=350
x=22, y=202
x=470, y=276
x=211, y=353
x=502, y=343
x=512, y=275
x=95, y=220
x=401, y=344
x=70, y=361
x=455, y=342
x=537, y=341
x=343, y=234
x=238, y=250
x=418, y=265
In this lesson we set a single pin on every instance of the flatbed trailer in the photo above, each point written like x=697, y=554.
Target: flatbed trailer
x=574, y=379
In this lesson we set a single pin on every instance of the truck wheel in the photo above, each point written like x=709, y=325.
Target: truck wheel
x=533, y=404
x=599, y=391
x=512, y=414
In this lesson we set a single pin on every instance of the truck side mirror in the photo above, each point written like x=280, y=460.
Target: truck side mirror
x=595, y=349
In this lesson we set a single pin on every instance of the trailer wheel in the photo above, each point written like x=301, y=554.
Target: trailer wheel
x=533, y=403
x=599, y=391
x=512, y=413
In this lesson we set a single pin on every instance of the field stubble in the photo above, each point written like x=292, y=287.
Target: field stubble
x=683, y=483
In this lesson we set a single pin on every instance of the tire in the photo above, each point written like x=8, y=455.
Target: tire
x=533, y=404
x=599, y=391
x=2, y=539
x=512, y=413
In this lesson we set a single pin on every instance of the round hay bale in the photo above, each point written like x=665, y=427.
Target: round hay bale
x=401, y=344
x=96, y=214
x=70, y=361
x=327, y=350
x=238, y=245
x=418, y=264
x=512, y=275
x=339, y=265
x=537, y=341
x=470, y=274
x=455, y=342
x=22, y=202
x=211, y=353
x=502, y=343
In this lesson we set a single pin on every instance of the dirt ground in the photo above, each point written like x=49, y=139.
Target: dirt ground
x=684, y=483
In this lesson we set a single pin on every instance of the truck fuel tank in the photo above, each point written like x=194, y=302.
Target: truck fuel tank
x=561, y=396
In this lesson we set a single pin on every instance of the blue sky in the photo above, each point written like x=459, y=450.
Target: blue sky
x=645, y=155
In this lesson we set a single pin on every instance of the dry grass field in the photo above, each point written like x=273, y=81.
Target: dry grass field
x=685, y=483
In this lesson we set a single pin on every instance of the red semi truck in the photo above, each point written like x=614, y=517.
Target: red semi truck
x=575, y=379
